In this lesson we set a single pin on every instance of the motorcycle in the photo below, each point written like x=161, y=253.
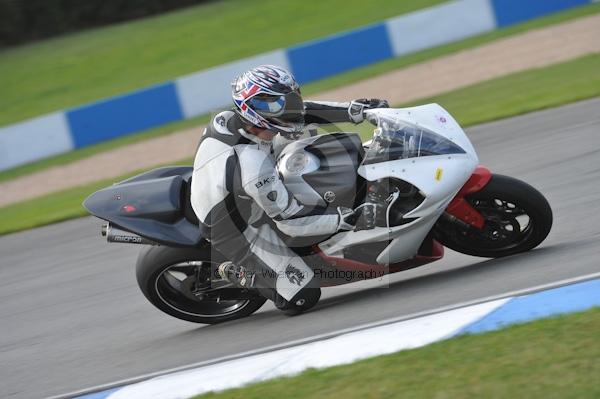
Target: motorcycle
x=419, y=173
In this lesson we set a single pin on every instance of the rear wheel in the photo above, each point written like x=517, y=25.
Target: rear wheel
x=517, y=219
x=183, y=284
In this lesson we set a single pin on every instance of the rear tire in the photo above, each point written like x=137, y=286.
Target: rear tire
x=169, y=278
x=518, y=218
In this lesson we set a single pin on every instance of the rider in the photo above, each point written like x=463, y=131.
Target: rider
x=235, y=182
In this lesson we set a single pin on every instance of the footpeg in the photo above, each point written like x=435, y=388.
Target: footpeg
x=237, y=275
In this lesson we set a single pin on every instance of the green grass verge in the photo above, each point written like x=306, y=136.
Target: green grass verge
x=511, y=95
x=79, y=68
x=48, y=209
x=330, y=83
x=523, y=92
x=550, y=358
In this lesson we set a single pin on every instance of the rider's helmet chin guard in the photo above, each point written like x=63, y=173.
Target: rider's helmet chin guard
x=269, y=97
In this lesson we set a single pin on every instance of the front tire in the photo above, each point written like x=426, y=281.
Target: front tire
x=517, y=218
x=182, y=283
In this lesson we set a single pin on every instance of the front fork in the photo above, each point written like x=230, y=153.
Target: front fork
x=459, y=209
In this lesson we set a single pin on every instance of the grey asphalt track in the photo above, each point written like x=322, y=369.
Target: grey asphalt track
x=71, y=315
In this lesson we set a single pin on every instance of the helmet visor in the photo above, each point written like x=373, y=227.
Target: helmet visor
x=273, y=105
x=267, y=105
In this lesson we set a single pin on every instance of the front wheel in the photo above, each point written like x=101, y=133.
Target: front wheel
x=183, y=284
x=517, y=219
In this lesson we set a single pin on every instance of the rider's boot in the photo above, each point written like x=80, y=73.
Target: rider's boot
x=301, y=302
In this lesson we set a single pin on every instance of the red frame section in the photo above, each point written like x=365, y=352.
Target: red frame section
x=437, y=253
x=460, y=208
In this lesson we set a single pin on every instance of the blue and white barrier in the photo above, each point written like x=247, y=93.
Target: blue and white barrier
x=205, y=91
x=208, y=90
x=363, y=342
x=335, y=54
x=35, y=139
x=439, y=25
x=510, y=12
x=121, y=115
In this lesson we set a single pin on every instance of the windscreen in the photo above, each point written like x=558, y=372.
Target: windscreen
x=399, y=140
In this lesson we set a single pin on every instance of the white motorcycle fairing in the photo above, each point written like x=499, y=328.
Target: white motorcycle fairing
x=423, y=146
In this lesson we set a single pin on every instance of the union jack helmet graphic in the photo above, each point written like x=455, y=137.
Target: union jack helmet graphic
x=268, y=96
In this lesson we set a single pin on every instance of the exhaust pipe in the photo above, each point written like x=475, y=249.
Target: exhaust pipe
x=113, y=234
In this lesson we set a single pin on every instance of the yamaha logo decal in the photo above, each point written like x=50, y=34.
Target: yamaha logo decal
x=329, y=196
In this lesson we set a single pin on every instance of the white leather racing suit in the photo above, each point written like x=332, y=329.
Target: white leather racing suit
x=235, y=183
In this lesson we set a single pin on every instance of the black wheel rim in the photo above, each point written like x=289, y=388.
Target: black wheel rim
x=507, y=225
x=194, y=289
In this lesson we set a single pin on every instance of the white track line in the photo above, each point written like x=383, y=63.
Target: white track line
x=328, y=335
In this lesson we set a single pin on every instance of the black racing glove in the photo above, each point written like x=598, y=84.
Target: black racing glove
x=357, y=108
